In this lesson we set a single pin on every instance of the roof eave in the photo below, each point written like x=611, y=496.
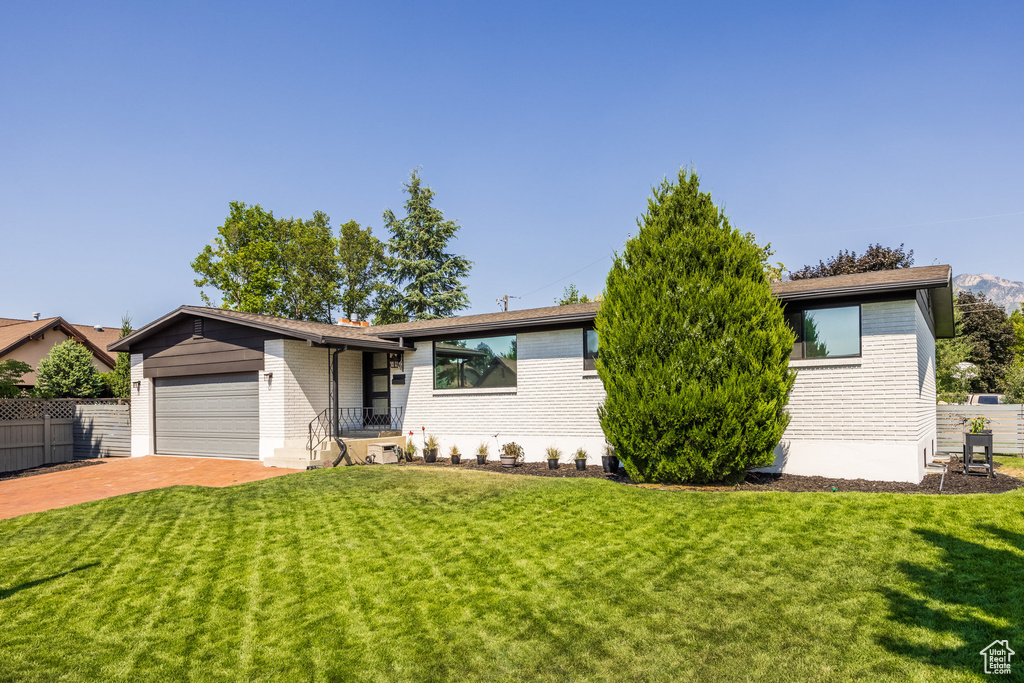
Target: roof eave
x=488, y=326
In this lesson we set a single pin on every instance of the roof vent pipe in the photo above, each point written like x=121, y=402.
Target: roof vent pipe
x=35, y=316
x=98, y=328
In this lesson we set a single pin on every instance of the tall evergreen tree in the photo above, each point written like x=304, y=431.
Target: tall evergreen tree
x=694, y=348
x=426, y=279
x=119, y=380
x=361, y=257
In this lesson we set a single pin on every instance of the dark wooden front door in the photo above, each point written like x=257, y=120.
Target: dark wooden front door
x=376, y=389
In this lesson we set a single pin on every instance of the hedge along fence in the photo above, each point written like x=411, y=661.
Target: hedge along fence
x=1005, y=421
x=36, y=432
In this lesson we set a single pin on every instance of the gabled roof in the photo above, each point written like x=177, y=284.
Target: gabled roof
x=14, y=333
x=321, y=334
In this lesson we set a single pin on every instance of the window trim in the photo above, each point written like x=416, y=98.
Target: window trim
x=456, y=390
x=799, y=343
x=589, y=364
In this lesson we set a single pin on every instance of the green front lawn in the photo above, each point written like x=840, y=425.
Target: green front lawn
x=395, y=573
x=1012, y=465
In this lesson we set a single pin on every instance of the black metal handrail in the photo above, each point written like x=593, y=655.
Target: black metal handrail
x=362, y=419
x=319, y=431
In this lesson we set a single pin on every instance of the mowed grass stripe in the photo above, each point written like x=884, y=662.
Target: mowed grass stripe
x=411, y=574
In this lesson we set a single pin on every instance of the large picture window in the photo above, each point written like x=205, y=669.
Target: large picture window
x=479, y=363
x=826, y=332
x=589, y=349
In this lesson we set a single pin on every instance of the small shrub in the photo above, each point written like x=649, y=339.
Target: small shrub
x=580, y=454
x=454, y=452
x=553, y=453
x=410, y=450
x=513, y=449
x=431, y=442
x=68, y=372
x=483, y=449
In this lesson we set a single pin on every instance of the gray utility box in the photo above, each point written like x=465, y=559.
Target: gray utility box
x=382, y=453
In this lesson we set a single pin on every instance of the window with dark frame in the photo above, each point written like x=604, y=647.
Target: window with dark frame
x=589, y=349
x=478, y=363
x=827, y=332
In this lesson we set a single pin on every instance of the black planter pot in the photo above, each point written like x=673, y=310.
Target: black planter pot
x=430, y=455
x=610, y=463
x=456, y=459
x=481, y=459
x=581, y=465
x=552, y=463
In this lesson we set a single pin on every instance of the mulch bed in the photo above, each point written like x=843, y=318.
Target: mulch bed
x=956, y=482
x=46, y=469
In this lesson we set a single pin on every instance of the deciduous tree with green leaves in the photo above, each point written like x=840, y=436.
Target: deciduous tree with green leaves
x=361, y=257
x=11, y=372
x=694, y=348
x=262, y=264
x=846, y=262
x=68, y=372
x=426, y=278
x=989, y=335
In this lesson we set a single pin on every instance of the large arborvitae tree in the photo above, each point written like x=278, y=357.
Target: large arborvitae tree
x=426, y=279
x=694, y=348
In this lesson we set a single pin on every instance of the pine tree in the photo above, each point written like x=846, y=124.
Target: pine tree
x=426, y=280
x=694, y=348
x=120, y=378
x=68, y=372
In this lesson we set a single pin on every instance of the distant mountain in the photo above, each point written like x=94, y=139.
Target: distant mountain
x=1006, y=293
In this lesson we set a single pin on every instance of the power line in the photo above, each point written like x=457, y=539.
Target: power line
x=907, y=225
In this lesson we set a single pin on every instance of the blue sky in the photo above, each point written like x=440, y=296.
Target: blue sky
x=126, y=128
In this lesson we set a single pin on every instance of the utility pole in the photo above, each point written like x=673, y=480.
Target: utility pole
x=503, y=302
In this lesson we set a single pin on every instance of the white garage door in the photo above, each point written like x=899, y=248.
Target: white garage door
x=214, y=415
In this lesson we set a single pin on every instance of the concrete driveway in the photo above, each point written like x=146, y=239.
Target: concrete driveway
x=115, y=476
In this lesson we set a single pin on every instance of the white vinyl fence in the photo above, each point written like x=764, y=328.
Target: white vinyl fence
x=1005, y=421
x=36, y=432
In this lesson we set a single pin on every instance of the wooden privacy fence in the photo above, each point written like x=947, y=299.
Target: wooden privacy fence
x=1005, y=421
x=36, y=432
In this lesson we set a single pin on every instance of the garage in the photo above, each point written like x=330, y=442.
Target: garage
x=208, y=415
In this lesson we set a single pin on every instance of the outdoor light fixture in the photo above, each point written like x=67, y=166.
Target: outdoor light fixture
x=268, y=376
x=396, y=359
x=137, y=384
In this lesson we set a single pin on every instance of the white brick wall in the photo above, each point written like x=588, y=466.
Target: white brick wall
x=141, y=410
x=868, y=417
x=555, y=402
x=296, y=393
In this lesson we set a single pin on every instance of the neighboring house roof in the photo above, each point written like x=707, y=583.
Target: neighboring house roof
x=14, y=333
x=937, y=279
x=323, y=334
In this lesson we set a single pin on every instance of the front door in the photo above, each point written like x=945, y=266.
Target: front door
x=376, y=390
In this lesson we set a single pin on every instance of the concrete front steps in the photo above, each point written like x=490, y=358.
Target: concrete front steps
x=294, y=455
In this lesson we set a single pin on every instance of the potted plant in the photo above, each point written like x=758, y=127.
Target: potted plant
x=481, y=453
x=581, y=458
x=511, y=454
x=430, y=449
x=455, y=455
x=410, y=451
x=553, y=457
x=609, y=461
